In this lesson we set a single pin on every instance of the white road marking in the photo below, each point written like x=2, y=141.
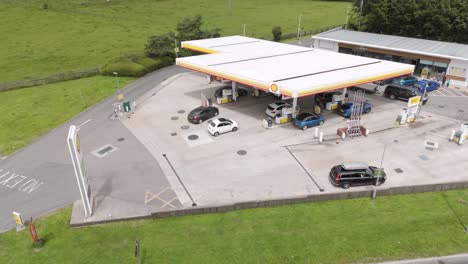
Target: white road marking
x=450, y=93
x=453, y=90
x=84, y=123
x=438, y=93
x=11, y=180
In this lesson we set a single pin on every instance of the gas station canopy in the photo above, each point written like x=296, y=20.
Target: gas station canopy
x=285, y=69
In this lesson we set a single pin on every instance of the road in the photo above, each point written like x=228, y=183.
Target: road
x=454, y=259
x=39, y=178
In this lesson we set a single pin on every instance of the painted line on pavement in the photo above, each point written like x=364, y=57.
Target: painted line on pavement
x=16, y=181
x=84, y=123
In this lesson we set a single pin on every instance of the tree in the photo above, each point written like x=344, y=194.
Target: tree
x=160, y=45
x=190, y=29
x=277, y=32
x=444, y=20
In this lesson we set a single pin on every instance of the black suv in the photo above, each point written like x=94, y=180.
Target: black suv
x=202, y=113
x=356, y=173
x=396, y=91
x=323, y=98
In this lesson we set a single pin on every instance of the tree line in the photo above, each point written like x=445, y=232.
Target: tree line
x=444, y=20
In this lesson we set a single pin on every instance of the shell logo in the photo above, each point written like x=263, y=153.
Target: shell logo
x=274, y=88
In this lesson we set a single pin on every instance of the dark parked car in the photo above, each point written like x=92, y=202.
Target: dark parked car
x=347, y=109
x=202, y=113
x=384, y=82
x=323, y=98
x=395, y=91
x=408, y=80
x=240, y=92
x=356, y=173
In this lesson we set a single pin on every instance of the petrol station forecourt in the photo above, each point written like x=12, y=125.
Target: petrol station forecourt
x=257, y=164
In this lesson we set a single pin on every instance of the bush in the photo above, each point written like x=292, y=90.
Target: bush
x=127, y=68
x=277, y=32
x=135, y=65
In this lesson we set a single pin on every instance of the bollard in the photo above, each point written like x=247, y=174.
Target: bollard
x=343, y=135
x=452, y=135
x=120, y=108
x=367, y=132
x=462, y=138
x=134, y=104
x=316, y=132
x=321, y=137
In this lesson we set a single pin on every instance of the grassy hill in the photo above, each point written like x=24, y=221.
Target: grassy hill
x=72, y=34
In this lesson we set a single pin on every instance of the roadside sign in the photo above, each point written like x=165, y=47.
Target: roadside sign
x=317, y=109
x=413, y=101
x=18, y=219
x=120, y=97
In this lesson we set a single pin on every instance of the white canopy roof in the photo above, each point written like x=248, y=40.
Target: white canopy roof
x=296, y=71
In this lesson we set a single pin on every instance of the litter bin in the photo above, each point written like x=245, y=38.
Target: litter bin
x=126, y=106
x=270, y=122
x=210, y=101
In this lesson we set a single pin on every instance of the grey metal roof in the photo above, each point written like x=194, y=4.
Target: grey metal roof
x=411, y=45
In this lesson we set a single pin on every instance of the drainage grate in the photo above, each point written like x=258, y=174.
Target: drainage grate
x=461, y=111
x=184, y=127
x=181, y=111
x=398, y=170
x=441, y=106
x=337, y=142
x=396, y=140
x=242, y=152
x=104, y=151
x=174, y=118
x=120, y=139
x=174, y=134
x=423, y=157
x=193, y=137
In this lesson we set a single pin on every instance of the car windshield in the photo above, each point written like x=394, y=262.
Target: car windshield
x=377, y=171
x=303, y=116
x=212, y=124
x=270, y=108
x=346, y=106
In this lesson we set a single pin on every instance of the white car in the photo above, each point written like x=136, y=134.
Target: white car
x=221, y=125
x=275, y=109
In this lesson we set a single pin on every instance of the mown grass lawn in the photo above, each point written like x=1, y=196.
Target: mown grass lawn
x=359, y=230
x=31, y=112
x=74, y=34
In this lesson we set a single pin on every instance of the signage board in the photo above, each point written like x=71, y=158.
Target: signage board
x=18, y=218
x=413, y=101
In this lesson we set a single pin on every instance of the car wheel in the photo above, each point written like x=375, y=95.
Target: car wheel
x=392, y=96
x=346, y=185
x=305, y=127
x=200, y=121
x=216, y=134
x=234, y=129
x=321, y=122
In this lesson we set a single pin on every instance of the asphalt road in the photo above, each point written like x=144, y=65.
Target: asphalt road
x=39, y=178
x=454, y=259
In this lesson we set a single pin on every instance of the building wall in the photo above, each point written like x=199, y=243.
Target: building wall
x=455, y=73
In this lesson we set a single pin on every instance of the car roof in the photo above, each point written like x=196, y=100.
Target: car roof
x=354, y=165
x=199, y=109
x=279, y=103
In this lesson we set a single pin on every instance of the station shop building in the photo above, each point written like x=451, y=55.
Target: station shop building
x=434, y=58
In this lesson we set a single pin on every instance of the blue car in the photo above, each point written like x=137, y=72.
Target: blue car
x=346, y=109
x=408, y=80
x=430, y=85
x=306, y=120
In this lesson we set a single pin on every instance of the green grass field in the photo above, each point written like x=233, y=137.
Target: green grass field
x=346, y=231
x=74, y=34
x=31, y=112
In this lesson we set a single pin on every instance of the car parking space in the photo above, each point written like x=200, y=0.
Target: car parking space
x=254, y=163
x=450, y=92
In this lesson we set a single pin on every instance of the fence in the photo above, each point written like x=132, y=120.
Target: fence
x=64, y=76
x=308, y=32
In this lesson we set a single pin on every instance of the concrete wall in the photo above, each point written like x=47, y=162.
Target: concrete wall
x=459, y=64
